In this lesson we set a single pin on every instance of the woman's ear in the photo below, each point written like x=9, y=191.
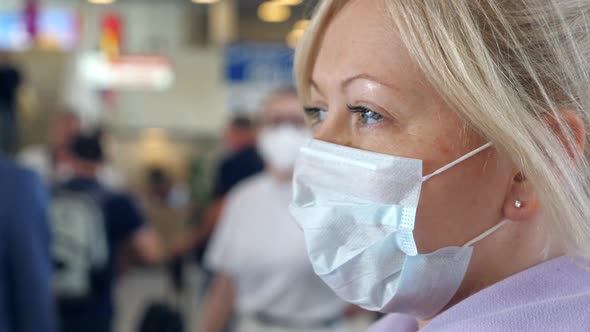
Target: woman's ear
x=521, y=203
x=574, y=123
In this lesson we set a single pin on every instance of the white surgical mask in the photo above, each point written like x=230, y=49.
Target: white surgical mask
x=357, y=210
x=279, y=146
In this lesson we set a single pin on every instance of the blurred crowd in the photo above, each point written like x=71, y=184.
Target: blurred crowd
x=72, y=227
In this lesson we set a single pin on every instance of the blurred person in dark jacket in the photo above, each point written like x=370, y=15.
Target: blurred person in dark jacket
x=243, y=159
x=91, y=226
x=26, y=302
x=241, y=162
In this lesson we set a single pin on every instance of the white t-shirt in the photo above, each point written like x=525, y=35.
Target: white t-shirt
x=258, y=244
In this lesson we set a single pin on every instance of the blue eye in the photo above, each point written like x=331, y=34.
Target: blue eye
x=366, y=116
x=315, y=115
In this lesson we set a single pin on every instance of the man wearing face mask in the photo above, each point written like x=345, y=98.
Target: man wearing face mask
x=258, y=253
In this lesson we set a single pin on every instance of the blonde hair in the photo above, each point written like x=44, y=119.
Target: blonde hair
x=509, y=68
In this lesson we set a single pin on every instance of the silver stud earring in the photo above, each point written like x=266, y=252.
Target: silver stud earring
x=518, y=204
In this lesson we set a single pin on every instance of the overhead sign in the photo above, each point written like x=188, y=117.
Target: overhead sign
x=133, y=72
x=253, y=70
x=259, y=62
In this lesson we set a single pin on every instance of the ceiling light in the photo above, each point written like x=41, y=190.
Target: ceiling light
x=101, y=2
x=294, y=36
x=289, y=2
x=205, y=1
x=271, y=11
x=301, y=25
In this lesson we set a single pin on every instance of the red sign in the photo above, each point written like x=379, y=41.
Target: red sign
x=111, y=34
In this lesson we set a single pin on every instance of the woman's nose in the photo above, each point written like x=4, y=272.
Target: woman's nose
x=334, y=129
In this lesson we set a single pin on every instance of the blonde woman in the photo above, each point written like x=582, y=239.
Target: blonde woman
x=448, y=181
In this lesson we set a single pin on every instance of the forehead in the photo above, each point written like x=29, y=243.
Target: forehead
x=362, y=39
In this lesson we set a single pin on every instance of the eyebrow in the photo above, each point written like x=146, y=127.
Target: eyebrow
x=344, y=84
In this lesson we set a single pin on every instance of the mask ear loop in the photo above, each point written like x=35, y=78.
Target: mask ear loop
x=486, y=233
x=458, y=161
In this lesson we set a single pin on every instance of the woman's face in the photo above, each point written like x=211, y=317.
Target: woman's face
x=369, y=94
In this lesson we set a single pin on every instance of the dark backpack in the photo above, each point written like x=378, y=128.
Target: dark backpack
x=161, y=317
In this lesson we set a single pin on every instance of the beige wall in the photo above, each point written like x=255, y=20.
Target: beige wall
x=191, y=113
x=194, y=105
x=43, y=72
x=171, y=127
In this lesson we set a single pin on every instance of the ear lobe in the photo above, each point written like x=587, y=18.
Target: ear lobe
x=521, y=203
x=575, y=126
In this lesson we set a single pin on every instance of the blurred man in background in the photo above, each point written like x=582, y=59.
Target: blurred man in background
x=26, y=301
x=91, y=226
x=263, y=277
x=52, y=160
x=10, y=82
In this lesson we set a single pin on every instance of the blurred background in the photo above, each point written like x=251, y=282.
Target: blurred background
x=162, y=75
x=159, y=84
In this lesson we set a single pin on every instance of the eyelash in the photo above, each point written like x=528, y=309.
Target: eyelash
x=315, y=114
x=363, y=111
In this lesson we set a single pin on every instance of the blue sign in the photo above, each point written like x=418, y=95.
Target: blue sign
x=259, y=62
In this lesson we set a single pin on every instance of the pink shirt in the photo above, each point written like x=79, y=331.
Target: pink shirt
x=553, y=296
